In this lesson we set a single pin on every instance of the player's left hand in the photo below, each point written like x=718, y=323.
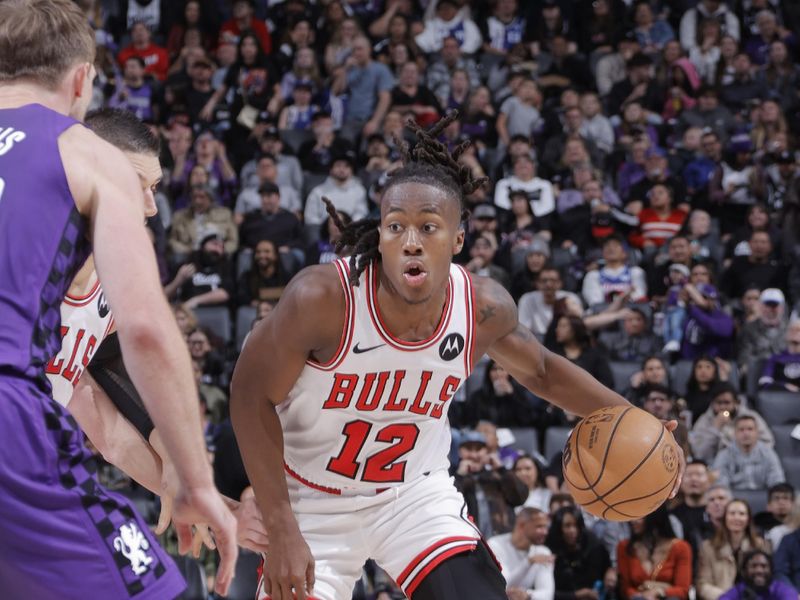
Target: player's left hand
x=672, y=426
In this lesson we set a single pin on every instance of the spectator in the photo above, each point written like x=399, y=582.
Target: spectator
x=654, y=563
x=708, y=329
x=638, y=85
x=317, y=154
x=675, y=308
x=705, y=54
x=782, y=370
x=185, y=318
x=244, y=20
x=206, y=279
x=615, y=277
x=654, y=372
x=720, y=556
x=369, y=84
x=660, y=222
x=192, y=224
x=490, y=492
x=289, y=170
x=656, y=172
x=581, y=558
x=743, y=87
x=692, y=510
x=526, y=562
x=596, y=127
x=536, y=308
x=763, y=337
x=703, y=379
x=566, y=69
x=531, y=472
x=540, y=191
x=200, y=89
x=757, y=580
x=205, y=357
x=250, y=198
x=758, y=46
x=504, y=29
x=758, y=269
x=340, y=46
x=266, y=278
x=478, y=118
x=708, y=114
x=573, y=342
x=482, y=253
x=304, y=67
x=634, y=341
x=748, y=464
x=651, y=33
x=440, y=71
x=323, y=251
x=297, y=116
x=699, y=172
x=780, y=75
x=705, y=242
x=524, y=279
x=341, y=188
x=156, y=59
x=787, y=555
x=134, y=92
x=714, y=430
x=521, y=226
x=210, y=154
x=780, y=500
x=519, y=114
x=707, y=9
x=659, y=401
x=192, y=18
x=449, y=21
x=409, y=97
x=271, y=222
x=501, y=401
x=612, y=68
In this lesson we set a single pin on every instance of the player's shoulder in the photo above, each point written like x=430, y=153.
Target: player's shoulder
x=495, y=309
x=314, y=292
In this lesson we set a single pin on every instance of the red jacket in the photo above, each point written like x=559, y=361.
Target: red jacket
x=156, y=59
x=656, y=229
x=230, y=31
x=675, y=570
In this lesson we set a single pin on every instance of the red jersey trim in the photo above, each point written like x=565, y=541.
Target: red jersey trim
x=343, y=270
x=86, y=299
x=311, y=484
x=430, y=558
x=469, y=293
x=377, y=321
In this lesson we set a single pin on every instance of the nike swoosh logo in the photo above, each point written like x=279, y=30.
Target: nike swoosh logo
x=357, y=350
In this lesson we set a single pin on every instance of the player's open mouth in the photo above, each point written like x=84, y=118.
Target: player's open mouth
x=414, y=274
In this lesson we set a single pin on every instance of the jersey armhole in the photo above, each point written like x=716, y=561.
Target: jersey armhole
x=343, y=270
x=469, y=297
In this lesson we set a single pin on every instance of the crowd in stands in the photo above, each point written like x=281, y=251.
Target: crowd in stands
x=642, y=207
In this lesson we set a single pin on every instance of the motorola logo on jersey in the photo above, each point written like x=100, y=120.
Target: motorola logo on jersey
x=451, y=346
x=102, y=306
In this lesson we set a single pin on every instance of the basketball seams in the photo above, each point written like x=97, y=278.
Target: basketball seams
x=608, y=447
x=669, y=484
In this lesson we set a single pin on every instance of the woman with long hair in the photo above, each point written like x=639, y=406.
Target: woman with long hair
x=574, y=343
x=581, y=558
x=500, y=400
x=654, y=564
x=705, y=375
x=530, y=472
x=340, y=47
x=724, y=72
x=654, y=371
x=720, y=557
x=780, y=75
x=706, y=53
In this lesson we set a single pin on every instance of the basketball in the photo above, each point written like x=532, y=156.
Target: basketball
x=620, y=463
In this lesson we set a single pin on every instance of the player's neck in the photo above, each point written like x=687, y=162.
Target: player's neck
x=409, y=322
x=21, y=94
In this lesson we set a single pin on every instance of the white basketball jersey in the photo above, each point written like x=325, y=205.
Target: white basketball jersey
x=375, y=415
x=85, y=322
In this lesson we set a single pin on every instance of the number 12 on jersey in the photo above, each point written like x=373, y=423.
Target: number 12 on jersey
x=380, y=467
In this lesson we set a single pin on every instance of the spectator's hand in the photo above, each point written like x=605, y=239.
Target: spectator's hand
x=466, y=466
x=370, y=127
x=251, y=533
x=637, y=379
x=515, y=593
x=186, y=272
x=475, y=264
x=721, y=419
x=208, y=111
x=724, y=368
x=542, y=559
x=790, y=387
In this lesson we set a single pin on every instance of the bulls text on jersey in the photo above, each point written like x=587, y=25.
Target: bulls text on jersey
x=83, y=348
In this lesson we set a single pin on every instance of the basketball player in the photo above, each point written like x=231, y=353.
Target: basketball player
x=339, y=400
x=98, y=392
x=64, y=192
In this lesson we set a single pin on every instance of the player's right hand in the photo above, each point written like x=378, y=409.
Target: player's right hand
x=205, y=505
x=289, y=567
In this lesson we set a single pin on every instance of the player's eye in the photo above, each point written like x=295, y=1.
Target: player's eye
x=429, y=228
x=394, y=227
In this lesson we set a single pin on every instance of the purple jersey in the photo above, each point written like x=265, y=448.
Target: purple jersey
x=42, y=239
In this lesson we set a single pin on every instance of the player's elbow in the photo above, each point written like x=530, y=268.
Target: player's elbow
x=140, y=333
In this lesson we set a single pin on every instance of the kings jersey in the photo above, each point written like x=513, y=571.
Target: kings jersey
x=375, y=415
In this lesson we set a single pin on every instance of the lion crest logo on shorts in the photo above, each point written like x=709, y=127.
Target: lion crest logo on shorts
x=669, y=457
x=132, y=544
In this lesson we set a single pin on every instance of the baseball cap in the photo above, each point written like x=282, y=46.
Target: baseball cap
x=472, y=437
x=214, y=235
x=349, y=156
x=682, y=269
x=772, y=296
x=538, y=246
x=485, y=211
x=270, y=131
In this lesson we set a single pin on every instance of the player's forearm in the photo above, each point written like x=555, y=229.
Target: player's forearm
x=260, y=438
x=571, y=388
x=156, y=347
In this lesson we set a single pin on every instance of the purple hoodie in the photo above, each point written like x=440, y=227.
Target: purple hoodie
x=707, y=332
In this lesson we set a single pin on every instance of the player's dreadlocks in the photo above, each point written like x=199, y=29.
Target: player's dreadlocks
x=428, y=162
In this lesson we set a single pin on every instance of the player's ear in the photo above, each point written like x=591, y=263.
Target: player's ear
x=82, y=73
x=458, y=243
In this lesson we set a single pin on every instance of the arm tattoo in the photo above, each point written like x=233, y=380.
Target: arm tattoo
x=487, y=312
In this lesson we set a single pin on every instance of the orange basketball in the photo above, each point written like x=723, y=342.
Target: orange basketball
x=620, y=463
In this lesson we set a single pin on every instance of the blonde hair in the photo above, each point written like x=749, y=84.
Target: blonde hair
x=41, y=39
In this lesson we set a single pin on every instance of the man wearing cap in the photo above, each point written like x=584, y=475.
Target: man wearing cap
x=249, y=199
x=316, y=155
x=782, y=370
x=206, y=279
x=290, y=172
x=758, y=269
x=763, y=337
x=656, y=172
x=708, y=329
x=341, y=188
x=271, y=222
x=615, y=277
x=199, y=90
x=192, y=224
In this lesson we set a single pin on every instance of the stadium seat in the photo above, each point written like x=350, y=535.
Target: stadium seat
x=526, y=439
x=195, y=576
x=216, y=319
x=555, y=438
x=791, y=468
x=779, y=408
x=243, y=261
x=245, y=580
x=757, y=499
x=622, y=372
x=244, y=320
x=754, y=368
x=785, y=444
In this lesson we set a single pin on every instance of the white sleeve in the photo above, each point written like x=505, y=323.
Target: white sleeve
x=525, y=311
x=688, y=29
x=239, y=208
x=732, y=25
x=639, y=281
x=472, y=37
x=501, y=199
x=360, y=208
x=544, y=586
x=427, y=39
x=313, y=214
x=591, y=291
x=547, y=203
